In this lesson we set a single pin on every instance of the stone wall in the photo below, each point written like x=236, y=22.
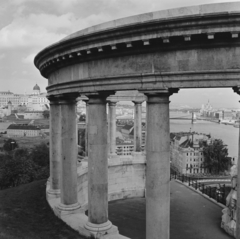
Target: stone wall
x=126, y=179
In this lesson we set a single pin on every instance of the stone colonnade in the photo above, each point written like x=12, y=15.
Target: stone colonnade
x=63, y=146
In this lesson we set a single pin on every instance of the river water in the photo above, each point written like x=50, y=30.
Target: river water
x=227, y=133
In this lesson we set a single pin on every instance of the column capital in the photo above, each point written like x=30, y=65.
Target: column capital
x=166, y=91
x=84, y=98
x=112, y=102
x=67, y=98
x=160, y=96
x=98, y=97
x=236, y=89
x=137, y=102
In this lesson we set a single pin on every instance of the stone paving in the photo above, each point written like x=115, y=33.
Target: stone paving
x=191, y=216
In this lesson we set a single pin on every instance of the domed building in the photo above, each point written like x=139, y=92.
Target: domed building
x=35, y=101
x=36, y=90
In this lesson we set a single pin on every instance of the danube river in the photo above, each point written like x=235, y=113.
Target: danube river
x=227, y=133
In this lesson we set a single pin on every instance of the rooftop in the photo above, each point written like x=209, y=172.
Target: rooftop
x=23, y=127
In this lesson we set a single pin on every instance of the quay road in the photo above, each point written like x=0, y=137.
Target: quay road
x=191, y=216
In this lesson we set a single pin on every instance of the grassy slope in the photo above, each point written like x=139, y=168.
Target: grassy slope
x=25, y=214
x=27, y=142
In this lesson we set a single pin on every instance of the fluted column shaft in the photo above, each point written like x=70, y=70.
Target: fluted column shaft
x=55, y=145
x=137, y=126
x=69, y=196
x=97, y=163
x=158, y=166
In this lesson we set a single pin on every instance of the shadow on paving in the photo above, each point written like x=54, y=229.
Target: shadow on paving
x=191, y=216
x=25, y=214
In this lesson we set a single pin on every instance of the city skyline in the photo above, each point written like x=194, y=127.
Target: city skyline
x=26, y=27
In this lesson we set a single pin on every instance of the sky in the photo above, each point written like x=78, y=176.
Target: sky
x=28, y=26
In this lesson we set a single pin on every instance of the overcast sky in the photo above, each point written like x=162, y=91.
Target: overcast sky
x=27, y=26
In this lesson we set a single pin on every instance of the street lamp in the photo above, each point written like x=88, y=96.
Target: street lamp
x=12, y=143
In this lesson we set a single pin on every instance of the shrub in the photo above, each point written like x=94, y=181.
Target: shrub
x=9, y=145
x=22, y=166
x=40, y=155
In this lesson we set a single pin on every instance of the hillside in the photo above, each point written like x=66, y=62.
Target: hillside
x=25, y=214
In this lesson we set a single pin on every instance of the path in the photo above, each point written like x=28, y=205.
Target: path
x=192, y=216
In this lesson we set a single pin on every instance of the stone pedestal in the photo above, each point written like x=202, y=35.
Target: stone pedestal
x=158, y=166
x=69, y=195
x=55, y=147
x=97, y=165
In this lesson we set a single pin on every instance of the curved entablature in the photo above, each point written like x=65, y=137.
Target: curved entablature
x=178, y=48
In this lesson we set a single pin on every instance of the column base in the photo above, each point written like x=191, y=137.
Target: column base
x=63, y=210
x=53, y=193
x=99, y=230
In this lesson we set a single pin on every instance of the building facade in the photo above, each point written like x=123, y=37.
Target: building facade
x=23, y=130
x=186, y=152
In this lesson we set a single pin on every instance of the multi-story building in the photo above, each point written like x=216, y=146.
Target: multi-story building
x=36, y=101
x=124, y=147
x=19, y=130
x=186, y=152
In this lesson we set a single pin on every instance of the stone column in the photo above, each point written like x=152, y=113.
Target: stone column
x=112, y=128
x=158, y=166
x=86, y=132
x=137, y=126
x=97, y=165
x=237, y=90
x=238, y=188
x=55, y=146
x=69, y=193
x=146, y=129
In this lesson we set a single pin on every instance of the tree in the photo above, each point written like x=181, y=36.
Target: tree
x=82, y=118
x=46, y=114
x=216, y=156
x=9, y=145
x=81, y=138
x=40, y=155
x=17, y=171
x=19, y=153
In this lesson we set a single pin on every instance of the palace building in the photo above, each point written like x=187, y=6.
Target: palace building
x=36, y=101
